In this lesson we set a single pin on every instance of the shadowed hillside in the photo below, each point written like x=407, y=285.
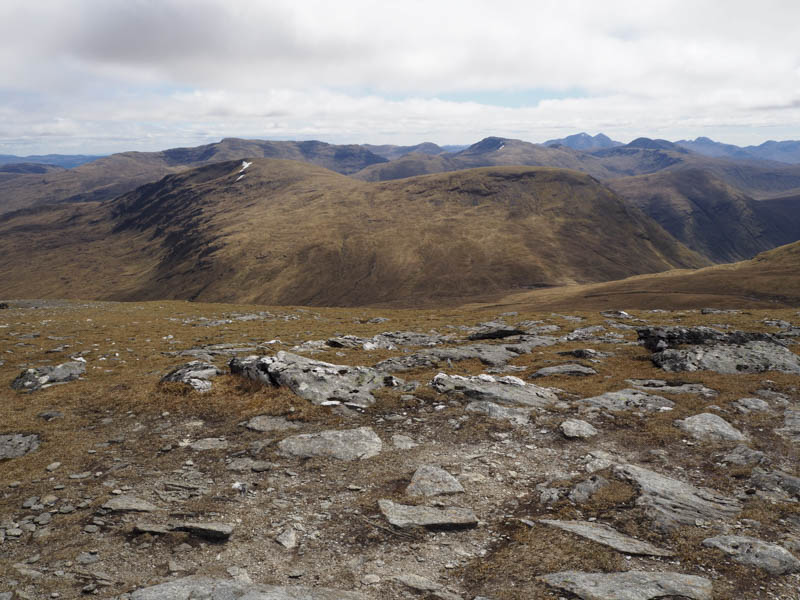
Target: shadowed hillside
x=711, y=216
x=285, y=232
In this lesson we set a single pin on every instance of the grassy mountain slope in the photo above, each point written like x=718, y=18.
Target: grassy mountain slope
x=768, y=280
x=710, y=216
x=293, y=233
x=113, y=175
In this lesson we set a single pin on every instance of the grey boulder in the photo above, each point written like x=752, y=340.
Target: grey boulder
x=43, y=377
x=672, y=503
x=751, y=357
x=315, y=380
x=195, y=373
x=518, y=416
x=195, y=588
x=14, y=445
x=429, y=480
x=506, y=390
x=577, y=429
x=630, y=585
x=711, y=427
x=774, y=559
x=348, y=444
x=403, y=516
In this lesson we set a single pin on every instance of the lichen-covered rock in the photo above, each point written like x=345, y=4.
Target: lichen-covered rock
x=708, y=426
x=603, y=534
x=195, y=373
x=507, y=390
x=190, y=588
x=672, y=503
x=348, y=444
x=315, y=380
x=774, y=559
x=751, y=357
x=43, y=377
x=577, y=429
x=629, y=399
x=14, y=445
x=630, y=585
x=401, y=515
x=569, y=369
x=657, y=339
x=430, y=480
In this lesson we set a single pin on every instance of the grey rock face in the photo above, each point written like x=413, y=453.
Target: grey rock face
x=791, y=425
x=752, y=357
x=315, y=380
x=389, y=340
x=575, y=428
x=349, y=444
x=754, y=552
x=429, y=480
x=571, y=369
x=603, y=534
x=672, y=387
x=708, y=426
x=195, y=373
x=776, y=480
x=401, y=515
x=672, y=503
x=43, y=377
x=630, y=585
x=629, y=399
x=14, y=445
x=518, y=416
x=586, y=353
x=507, y=390
x=129, y=504
x=191, y=588
x=494, y=355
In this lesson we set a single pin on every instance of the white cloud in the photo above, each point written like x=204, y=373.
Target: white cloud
x=103, y=75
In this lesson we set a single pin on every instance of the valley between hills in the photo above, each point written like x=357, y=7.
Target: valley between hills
x=294, y=370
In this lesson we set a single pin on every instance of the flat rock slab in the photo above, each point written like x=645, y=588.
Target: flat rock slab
x=42, y=377
x=506, y=390
x=518, y=416
x=494, y=330
x=603, y=534
x=752, y=357
x=195, y=373
x=14, y=445
x=774, y=559
x=657, y=339
x=630, y=585
x=209, y=444
x=751, y=405
x=129, y=504
x=315, y=380
x=673, y=503
x=403, y=516
x=672, y=387
x=569, y=369
x=217, y=532
x=348, y=444
x=265, y=423
x=629, y=399
x=429, y=480
x=711, y=427
x=195, y=588
x=791, y=425
x=494, y=355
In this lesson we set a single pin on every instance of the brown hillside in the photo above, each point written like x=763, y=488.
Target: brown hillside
x=292, y=233
x=113, y=175
x=770, y=280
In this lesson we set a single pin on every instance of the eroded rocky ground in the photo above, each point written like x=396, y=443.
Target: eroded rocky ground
x=434, y=454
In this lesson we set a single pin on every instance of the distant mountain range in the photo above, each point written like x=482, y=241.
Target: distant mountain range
x=786, y=152
x=584, y=141
x=67, y=161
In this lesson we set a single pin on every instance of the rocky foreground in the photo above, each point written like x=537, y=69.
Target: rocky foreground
x=180, y=451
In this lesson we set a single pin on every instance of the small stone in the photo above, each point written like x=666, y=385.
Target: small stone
x=209, y=444
x=370, y=579
x=53, y=466
x=129, y=504
x=211, y=531
x=403, y=516
x=287, y=538
x=403, y=442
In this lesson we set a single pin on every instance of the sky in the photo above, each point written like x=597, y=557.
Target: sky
x=102, y=76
